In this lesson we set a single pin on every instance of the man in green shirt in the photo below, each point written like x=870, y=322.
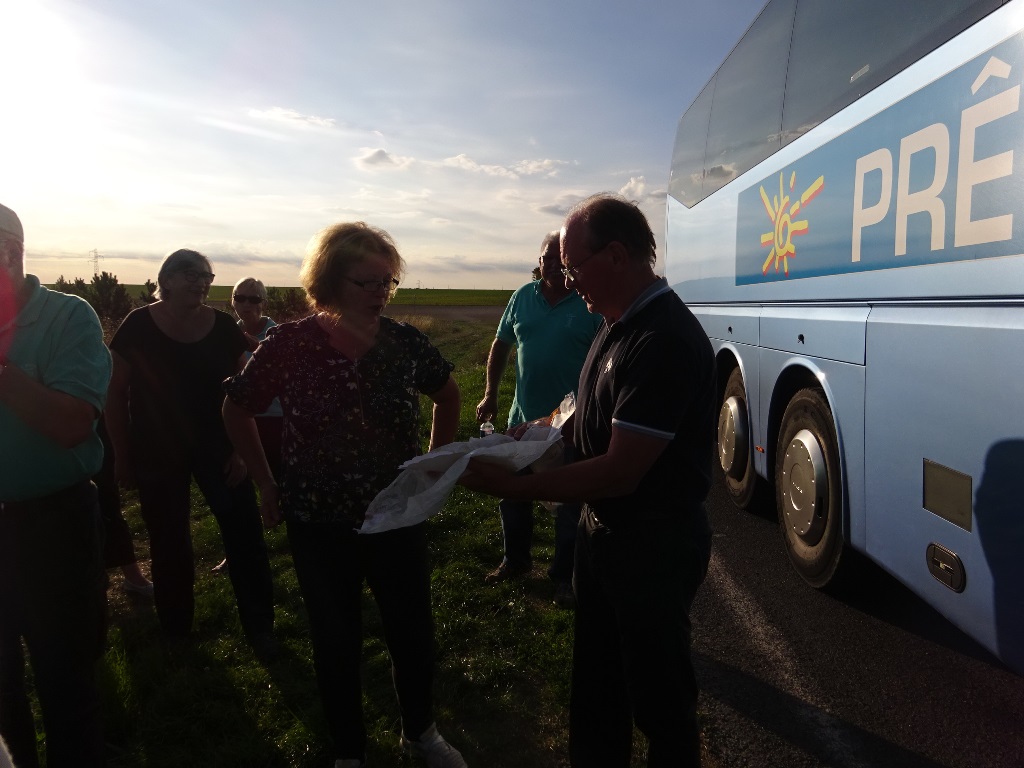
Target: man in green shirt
x=551, y=330
x=54, y=372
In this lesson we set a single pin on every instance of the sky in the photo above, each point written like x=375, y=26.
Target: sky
x=239, y=128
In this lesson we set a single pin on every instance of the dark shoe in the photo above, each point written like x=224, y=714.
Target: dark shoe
x=564, y=596
x=504, y=572
x=142, y=590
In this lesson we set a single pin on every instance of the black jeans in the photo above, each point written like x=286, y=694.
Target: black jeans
x=631, y=656
x=52, y=594
x=164, y=496
x=331, y=562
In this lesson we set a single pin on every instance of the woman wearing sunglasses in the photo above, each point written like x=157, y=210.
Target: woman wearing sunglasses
x=248, y=299
x=163, y=416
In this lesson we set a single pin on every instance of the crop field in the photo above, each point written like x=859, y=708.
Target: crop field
x=440, y=297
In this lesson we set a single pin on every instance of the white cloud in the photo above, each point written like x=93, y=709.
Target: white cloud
x=466, y=163
x=292, y=118
x=637, y=189
x=380, y=159
x=546, y=167
x=248, y=130
x=377, y=194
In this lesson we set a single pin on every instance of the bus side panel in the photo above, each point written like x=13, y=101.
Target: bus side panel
x=946, y=384
x=832, y=333
x=843, y=385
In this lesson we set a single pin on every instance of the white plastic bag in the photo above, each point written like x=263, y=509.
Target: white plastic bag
x=426, y=481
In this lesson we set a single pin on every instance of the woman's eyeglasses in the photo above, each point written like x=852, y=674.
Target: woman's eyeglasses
x=251, y=299
x=372, y=286
x=192, y=275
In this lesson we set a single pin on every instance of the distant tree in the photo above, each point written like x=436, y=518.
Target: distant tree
x=77, y=287
x=109, y=298
x=148, y=293
x=536, y=273
x=286, y=304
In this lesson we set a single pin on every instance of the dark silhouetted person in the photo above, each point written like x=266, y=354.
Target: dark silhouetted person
x=54, y=372
x=644, y=431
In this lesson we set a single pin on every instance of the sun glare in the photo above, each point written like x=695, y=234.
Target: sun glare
x=49, y=122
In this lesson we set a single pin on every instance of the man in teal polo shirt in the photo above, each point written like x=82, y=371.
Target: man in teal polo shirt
x=54, y=372
x=551, y=330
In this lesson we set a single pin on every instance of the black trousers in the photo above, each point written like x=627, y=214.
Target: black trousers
x=118, y=546
x=164, y=496
x=331, y=563
x=52, y=595
x=634, y=586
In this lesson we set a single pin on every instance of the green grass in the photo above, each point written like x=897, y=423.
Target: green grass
x=503, y=664
x=451, y=298
x=454, y=297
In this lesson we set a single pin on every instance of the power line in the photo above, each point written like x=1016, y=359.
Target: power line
x=94, y=258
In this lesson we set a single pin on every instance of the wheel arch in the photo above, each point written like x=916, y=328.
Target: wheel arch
x=796, y=375
x=726, y=361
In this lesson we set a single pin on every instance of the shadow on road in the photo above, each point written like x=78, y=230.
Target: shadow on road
x=832, y=740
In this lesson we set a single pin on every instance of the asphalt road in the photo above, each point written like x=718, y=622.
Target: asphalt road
x=797, y=678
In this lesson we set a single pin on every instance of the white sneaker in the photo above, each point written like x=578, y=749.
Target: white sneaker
x=435, y=751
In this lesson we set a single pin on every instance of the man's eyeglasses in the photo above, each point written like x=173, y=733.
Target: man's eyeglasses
x=251, y=299
x=192, y=275
x=390, y=284
x=570, y=272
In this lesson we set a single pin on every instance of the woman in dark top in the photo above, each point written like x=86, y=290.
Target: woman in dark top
x=349, y=382
x=163, y=416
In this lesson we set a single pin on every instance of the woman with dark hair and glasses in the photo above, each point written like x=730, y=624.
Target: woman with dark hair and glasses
x=163, y=416
x=350, y=380
x=248, y=299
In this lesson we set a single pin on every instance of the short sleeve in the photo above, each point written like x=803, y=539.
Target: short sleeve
x=231, y=334
x=81, y=366
x=432, y=369
x=126, y=337
x=506, y=326
x=256, y=386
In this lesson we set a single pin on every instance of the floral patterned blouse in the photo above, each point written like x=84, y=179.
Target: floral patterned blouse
x=347, y=425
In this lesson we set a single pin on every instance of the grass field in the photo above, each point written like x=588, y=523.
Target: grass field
x=453, y=297
x=504, y=651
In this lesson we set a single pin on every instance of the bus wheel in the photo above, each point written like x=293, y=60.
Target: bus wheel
x=734, y=443
x=808, y=488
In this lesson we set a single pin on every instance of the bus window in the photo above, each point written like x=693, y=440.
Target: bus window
x=832, y=64
x=687, y=174
x=745, y=122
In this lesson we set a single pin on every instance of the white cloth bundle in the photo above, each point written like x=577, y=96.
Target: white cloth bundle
x=426, y=481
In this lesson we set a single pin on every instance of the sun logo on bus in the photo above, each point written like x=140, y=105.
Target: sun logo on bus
x=782, y=213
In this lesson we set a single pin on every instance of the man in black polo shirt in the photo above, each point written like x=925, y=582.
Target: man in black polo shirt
x=644, y=432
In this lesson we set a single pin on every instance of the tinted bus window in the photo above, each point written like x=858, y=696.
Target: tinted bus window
x=687, y=175
x=746, y=122
x=842, y=50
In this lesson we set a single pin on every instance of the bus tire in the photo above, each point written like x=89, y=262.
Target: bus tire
x=734, y=443
x=809, y=488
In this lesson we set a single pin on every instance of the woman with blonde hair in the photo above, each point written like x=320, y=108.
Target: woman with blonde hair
x=349, y=381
